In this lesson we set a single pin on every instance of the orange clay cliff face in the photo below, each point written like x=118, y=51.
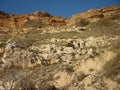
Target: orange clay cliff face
x=94, y=15
x=38, y=19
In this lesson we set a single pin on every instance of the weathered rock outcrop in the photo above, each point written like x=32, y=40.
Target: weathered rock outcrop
x=48, y=54
x=77, y=62
x=37, y=19
x=43, y=19
x=94, y=15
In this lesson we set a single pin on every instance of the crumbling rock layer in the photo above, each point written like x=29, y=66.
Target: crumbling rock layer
x=37, y=19
x=70, y=64
x=41, y=19
x=95, y=14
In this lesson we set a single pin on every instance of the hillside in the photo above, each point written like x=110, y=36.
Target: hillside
x=36, y=19
x=42, y=19
x=43, y=52
x=95, y=14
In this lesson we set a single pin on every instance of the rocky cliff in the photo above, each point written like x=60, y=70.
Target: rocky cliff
x=84, y=55
x=37, y=19
x=41, y=19
x=95, y=14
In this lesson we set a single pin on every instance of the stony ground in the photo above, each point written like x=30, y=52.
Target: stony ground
x=61, y=58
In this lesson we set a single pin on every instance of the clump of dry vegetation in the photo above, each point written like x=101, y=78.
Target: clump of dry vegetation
x=112, y=68
x=81, y=76
x=82, y=22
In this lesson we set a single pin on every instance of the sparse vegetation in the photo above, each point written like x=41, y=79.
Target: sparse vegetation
x=118, y=80
x=81, y=76
x=25, y=84
x=33, y=23
x=69, y=69
x=82, y=23
x=116, y=17
x=112, y=67
x=104, y=26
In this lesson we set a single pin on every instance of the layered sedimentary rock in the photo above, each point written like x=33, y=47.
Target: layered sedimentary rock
x=37, y=19
x=95, y=14
x=41, y=19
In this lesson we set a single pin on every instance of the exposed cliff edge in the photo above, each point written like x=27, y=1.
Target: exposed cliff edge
x=41, y=19
x=95, y=14
x=36, y=19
